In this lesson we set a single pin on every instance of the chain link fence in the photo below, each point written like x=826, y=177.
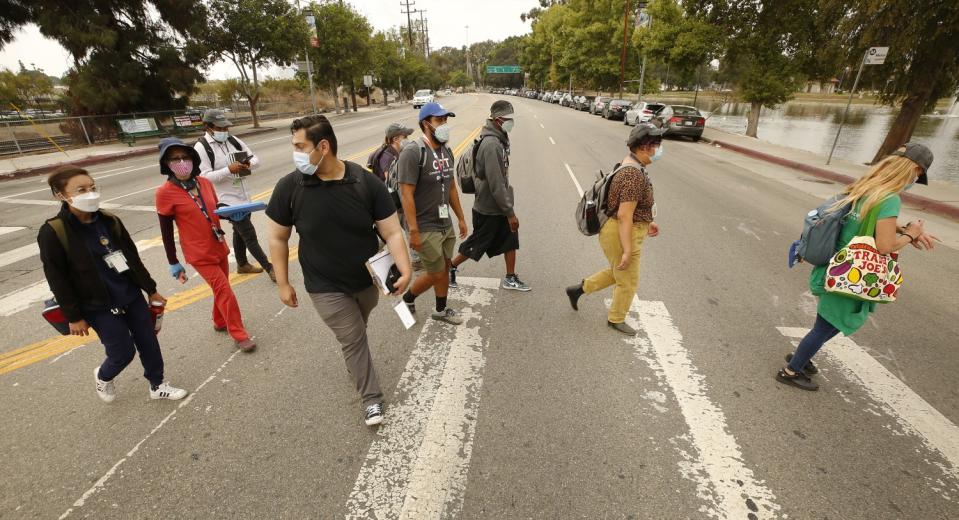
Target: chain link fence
x=38, y=134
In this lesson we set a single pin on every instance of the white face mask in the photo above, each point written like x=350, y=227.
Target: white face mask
x=442, y=132
x=87, y=202
x=303, y=164
x=508, y=125
x=221, y=137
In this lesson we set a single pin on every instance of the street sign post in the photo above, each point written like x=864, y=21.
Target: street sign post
x=368, y=81
x=873, y=56
x=503, y=69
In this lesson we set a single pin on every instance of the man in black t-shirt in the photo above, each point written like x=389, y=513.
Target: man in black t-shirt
x=334, y=206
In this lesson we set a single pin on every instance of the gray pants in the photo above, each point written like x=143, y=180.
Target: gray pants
x=346, y=315
x=244, y=237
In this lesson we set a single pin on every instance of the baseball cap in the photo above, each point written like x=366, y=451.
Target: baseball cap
x=919, y=154
x=641, y=132
x=396, y=129
x=434, y=110
x=500, y=108
x=216, y=117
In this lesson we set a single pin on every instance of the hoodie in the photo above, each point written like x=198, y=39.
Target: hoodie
x=494, y=195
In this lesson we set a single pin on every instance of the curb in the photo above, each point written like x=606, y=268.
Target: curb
x=90, y=161
x=924, y=203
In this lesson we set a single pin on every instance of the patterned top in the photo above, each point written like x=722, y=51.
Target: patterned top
x=631, y=184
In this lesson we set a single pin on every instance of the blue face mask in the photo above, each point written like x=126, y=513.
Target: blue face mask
x=658, y=155
x=910, y=185
x=220, y=137
x=303, y=164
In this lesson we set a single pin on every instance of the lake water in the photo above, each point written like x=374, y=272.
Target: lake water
x=813, y=126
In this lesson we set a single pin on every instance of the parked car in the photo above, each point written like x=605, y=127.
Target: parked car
x=679, y=120
x=616, y=109
x=448, y=92
x=422, y=97
x=556, y=97
x=642, y=113
x=599, y=103
x=585, y=103
x=565, y=100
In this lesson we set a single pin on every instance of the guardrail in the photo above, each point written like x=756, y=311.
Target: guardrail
x=35, y=135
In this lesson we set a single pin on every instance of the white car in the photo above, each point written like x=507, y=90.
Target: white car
x=448, y=92
x=642, y=113
x=423, y=97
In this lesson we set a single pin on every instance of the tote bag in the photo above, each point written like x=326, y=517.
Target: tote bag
x=860, y=271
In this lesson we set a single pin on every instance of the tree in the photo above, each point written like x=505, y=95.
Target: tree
x=238, y=33
x=459, y=79
x=343, y=54
x=683, y=43
x=923, y=61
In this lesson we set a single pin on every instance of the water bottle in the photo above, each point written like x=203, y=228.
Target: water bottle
x=156, y=308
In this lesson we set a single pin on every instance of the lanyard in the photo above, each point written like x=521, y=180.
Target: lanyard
x=442, y=173
x=201, y=204
x=104, y=235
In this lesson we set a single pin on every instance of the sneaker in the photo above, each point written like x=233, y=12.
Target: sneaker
x=799, y=380
x=105, y=389
x=248, y=269
x=574, y=293
x=374, y=414
x=246, y=345
x=449, y=316
x=167, y=391
x=622, y=327
x=513, y=283
x=453, y=284
x=810, y=369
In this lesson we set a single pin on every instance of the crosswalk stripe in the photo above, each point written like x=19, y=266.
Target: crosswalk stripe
x=7, y=229
x=732, y=487
x=417, y=467
x=913, y=413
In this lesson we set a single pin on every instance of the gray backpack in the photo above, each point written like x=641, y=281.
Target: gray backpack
x=820, y=234
x=591, y=209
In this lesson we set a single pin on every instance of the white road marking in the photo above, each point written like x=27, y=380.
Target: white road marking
x=417, y=466
x=21, y=299
x=541, y=126
x=5, y=230
x=151, y=188
x=722, y=476
x=105, y=205
x=551, y=140
x=21, y=253
x=912, y=412
x=579, y=189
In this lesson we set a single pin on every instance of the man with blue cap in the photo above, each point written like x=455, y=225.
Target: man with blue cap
x=429, y=197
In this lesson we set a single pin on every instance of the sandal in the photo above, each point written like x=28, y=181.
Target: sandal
x=810, y=369
x=799, y=380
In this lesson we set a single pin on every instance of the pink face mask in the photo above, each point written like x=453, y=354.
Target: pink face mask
x=182, y=169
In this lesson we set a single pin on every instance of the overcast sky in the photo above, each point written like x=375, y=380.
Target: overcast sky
x=487, y=20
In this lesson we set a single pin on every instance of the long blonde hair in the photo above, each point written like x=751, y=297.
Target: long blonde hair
x=888, y=177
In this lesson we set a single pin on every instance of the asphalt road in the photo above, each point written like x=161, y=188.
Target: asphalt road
x=529, y=410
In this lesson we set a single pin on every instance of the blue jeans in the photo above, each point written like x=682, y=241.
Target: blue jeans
x=821, y=332
x=123, y=335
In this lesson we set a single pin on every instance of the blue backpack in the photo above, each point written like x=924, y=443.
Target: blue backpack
x=820, y=234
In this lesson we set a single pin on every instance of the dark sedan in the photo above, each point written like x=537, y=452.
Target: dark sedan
x=616, y=109
x=682, y=121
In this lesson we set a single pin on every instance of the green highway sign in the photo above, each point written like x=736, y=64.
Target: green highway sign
x=503, y=69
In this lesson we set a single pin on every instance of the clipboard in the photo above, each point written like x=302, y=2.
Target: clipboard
x=383, y=270
x=250, y=207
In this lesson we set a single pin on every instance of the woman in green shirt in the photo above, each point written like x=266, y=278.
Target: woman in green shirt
x=837, y=313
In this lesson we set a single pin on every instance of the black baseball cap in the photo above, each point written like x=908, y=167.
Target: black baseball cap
x=643, y=132
x=919, y=154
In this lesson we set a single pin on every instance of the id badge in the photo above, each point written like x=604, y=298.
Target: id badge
x=117, y=261
x=444, y=211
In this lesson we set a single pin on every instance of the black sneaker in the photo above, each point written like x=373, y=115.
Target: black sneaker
x=374, y=414
x=453, y=284
x=810, y=369
x=799, y=380
x=622, y=327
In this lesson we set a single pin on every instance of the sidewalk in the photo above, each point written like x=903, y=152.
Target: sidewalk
x=939, y=197
x=18, y=166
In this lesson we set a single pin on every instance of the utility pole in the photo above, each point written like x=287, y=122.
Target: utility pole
x=642, y=67
x=469, y=66
x=427, y=37
x=409, y=21
x=309, y=66
x=622, y=59
x=423, y=34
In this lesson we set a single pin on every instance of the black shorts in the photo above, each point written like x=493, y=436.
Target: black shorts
x=491, y=236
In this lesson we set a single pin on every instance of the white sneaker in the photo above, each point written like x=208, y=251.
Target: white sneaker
x=105, y=389
x=167, y=391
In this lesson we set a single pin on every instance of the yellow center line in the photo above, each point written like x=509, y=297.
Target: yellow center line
x=50, y=347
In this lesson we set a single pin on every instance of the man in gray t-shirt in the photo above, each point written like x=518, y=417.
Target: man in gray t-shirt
x=430, y=198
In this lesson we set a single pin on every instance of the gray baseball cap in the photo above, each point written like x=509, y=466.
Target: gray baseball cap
x=641, y=132
x=216, y=117
x=396, y=129
x=500, y=108
x=919, y=154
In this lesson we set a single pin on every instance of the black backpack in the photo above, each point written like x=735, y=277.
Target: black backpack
x=373, y=161
x=362, y=189
x=209, y=149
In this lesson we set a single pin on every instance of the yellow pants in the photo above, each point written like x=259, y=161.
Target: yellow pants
x=625, y=281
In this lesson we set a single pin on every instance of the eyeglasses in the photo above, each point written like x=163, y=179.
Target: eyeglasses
x=174, y=160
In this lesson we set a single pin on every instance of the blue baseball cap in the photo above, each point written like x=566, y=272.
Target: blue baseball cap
x=434, y=110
